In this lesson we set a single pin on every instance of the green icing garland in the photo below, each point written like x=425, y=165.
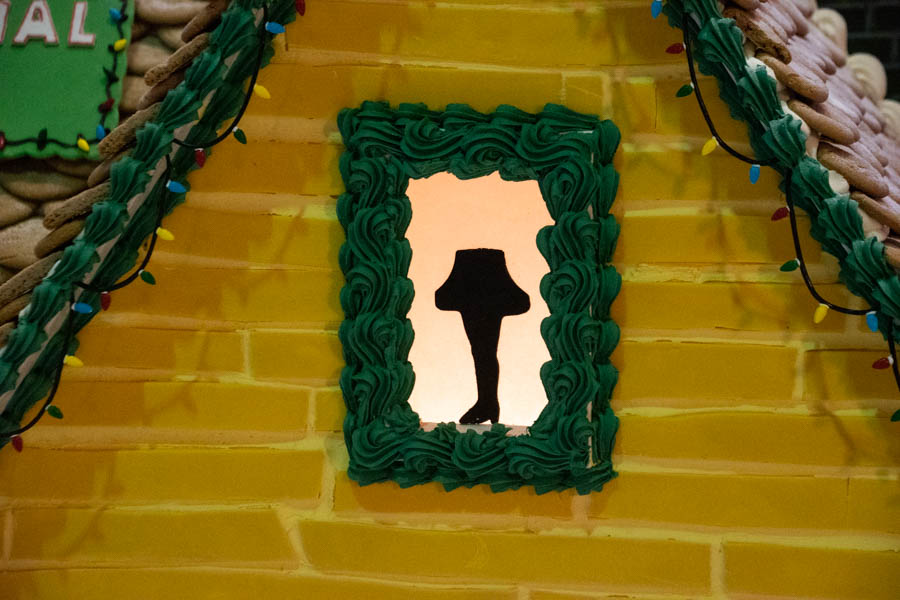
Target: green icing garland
x=751, y=96
x=570, y=155
x=235, y=40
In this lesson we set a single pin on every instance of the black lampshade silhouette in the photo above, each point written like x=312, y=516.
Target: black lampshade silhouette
x=481, y=289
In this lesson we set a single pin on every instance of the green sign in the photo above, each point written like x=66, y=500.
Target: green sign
x=61, y=65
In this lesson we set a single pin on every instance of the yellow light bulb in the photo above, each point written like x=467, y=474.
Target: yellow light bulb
x=820, y=313
x=164, y=234
x=83, y=144
x=72, y=361
x=120, y=44
x=709, y=146
x=261, y=91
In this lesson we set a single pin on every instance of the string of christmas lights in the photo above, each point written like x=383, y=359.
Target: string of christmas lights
x=118, y=16
x=785, y=211
x=173, y=187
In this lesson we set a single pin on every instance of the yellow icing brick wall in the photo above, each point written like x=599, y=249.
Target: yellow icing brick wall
x=201, y=454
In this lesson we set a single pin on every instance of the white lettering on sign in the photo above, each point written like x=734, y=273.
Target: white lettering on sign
x=77, y=35
x=4, y=15
x=37, y=25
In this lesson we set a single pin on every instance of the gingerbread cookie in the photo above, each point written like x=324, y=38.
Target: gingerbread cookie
x=892, y=252
x=158, y=92
x=167, y=12
x=58, y=238
x=125, y=133
x=75, y=168
x=5, y=330
x=30, y=180
x=210, y=16
x=10, y=311
x=27, y=279
x=170, y=36
x=857, y=171
x=823, y=118
x=181, y=59
x=17, y=243
x=13, y=210
x=77, y=205
x=763, y=35
x=884, y=210
x=133, y=89
x=796, y=78
x=146, y=54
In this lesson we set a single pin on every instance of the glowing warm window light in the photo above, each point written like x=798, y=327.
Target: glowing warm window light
x=450, y=214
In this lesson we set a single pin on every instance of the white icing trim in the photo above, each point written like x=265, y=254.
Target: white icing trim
x=869, y=72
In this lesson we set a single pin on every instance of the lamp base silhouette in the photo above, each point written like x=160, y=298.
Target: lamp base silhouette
x=481, y=289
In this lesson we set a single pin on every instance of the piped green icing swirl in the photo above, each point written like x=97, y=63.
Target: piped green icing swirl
x=235, y=37
x=751, y=95
x=569, y=154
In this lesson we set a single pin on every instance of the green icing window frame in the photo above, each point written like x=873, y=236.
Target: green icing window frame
x=570, y=155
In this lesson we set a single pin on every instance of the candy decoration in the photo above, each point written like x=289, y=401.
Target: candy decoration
x=274, y=28
x=83, y=308
x=105, y=300
x=676, y=48
x=175, y=187
x=709, y=146
x=300, y=5
x=754, y=173
x=200, y=157
x=17, y=442
x=656, y=8
x=164, y=234
x=684, y=90
x=261, y=91
x=789, y=266
x=54, y=412
x=116, y=15
x=101, y=132
x=148, y=277
x=872, y=320
x=239, y=135
x=781, y=213
x=883, y=363
x=83, y=144
x=820, y=313
x=72, y=361
x=120, y=44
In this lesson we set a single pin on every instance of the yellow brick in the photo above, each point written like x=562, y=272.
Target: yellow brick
x=330, y=410
x=169, y=538
x=390, y=498
x=703, y=373
x=196, y=584
x=262, y=166
x=479, y=556
x=811, y=572
x=846, y=375
x=630, y=102
x=723, y=500
x=257, y=238
x=682, y=117
x=184, y=474
x=872, y=504
x=662, y=173
x=181, y=405
x=240, y=295
x=719, y=239
x=598, y=36
x=183, y=351
x=725, y=305
x=763, y=438
x=290, y=355
x=322, y=91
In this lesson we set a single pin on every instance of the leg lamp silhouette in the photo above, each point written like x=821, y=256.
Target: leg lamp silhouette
x=481, y=290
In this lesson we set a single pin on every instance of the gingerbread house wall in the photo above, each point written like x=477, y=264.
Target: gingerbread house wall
x=202, y=457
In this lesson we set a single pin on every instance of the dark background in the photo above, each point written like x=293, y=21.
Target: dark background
x=873, y=26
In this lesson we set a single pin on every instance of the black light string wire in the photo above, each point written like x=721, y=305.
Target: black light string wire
x=788, y=175
x=69, y=327
x=111, y=79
